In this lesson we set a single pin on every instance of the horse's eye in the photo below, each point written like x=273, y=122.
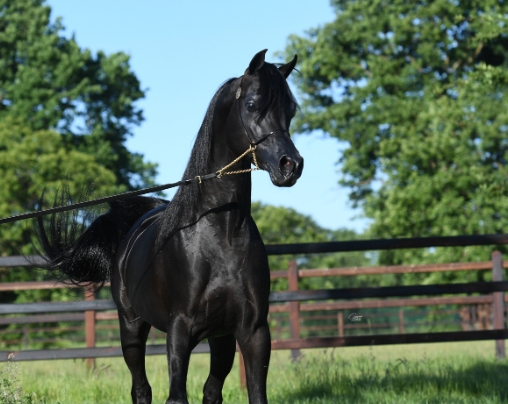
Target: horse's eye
x=251, y=106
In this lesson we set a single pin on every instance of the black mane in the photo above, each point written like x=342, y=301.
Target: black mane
x=187, y=198
x=275, y=92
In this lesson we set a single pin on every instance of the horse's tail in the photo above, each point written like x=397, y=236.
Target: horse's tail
x=80, y=248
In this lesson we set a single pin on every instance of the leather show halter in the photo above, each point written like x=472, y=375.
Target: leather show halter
x=252, y=144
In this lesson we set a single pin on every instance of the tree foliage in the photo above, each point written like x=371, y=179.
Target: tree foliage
x=418, y=91
x=31, y=161
x=49, y=82
x=65, y=115
x=280, y=225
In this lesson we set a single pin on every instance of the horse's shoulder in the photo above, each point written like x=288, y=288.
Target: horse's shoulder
x=139, y=227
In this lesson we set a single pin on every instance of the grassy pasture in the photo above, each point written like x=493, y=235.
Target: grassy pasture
x=426, y=373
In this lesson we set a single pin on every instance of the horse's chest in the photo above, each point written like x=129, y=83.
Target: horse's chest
x=228, y=304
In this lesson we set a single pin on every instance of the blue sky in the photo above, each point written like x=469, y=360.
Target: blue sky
x=182, y=51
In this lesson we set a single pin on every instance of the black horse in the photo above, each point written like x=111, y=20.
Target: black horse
x=195, y=267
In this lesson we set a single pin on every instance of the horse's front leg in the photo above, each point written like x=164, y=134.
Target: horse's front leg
x=222, y=356
x=179, y=348
x=256, y=347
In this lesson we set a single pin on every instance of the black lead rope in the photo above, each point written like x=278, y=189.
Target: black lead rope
x=111, y=198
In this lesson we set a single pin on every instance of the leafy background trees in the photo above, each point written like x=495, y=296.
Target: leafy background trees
x=65, y=115
x=417, y=92
x=49, y=82
x=279, y=225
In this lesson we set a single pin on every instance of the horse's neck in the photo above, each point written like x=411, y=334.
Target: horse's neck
x=231, y=194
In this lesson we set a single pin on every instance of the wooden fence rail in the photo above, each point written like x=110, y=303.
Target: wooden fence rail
x=296, y=301
x=386, y=244
x=277, y=297
x=280, y=326
x=294, y=296
x=473, y=317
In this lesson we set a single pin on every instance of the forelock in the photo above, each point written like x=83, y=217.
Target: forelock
x=275, y=93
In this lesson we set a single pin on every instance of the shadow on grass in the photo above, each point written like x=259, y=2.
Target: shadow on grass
x=330, y=380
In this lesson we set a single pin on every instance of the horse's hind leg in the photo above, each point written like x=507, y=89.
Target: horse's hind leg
x=133, y=336
x=222, y=355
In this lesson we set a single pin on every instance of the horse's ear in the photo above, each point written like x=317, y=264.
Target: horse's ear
x=256, y=62
x=288, y=67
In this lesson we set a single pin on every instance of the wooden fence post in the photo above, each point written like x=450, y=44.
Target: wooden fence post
x=401, y=322
x=278, y=328
x=90, y=328
x=294, y=308
x=498, y=303
x=340, y=323
x=474, y=312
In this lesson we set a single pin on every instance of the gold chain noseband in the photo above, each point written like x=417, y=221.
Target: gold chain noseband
x=251, y=149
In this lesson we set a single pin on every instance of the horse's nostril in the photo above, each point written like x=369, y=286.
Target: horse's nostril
x=286, y=165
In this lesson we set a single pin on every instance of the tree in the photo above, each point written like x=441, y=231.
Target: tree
x=49, y=82
x=418, y=92
x=31, y=161
x=65, y=115
x=279, y=225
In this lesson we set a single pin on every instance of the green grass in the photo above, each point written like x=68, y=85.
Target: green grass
x=428, y=373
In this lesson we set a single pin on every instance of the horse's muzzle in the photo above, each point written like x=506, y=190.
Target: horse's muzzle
x=290, y=169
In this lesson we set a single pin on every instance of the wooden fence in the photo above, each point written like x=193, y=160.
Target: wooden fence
x=296, y=301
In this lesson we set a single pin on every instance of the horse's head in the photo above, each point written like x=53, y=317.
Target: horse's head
x=260, y=116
